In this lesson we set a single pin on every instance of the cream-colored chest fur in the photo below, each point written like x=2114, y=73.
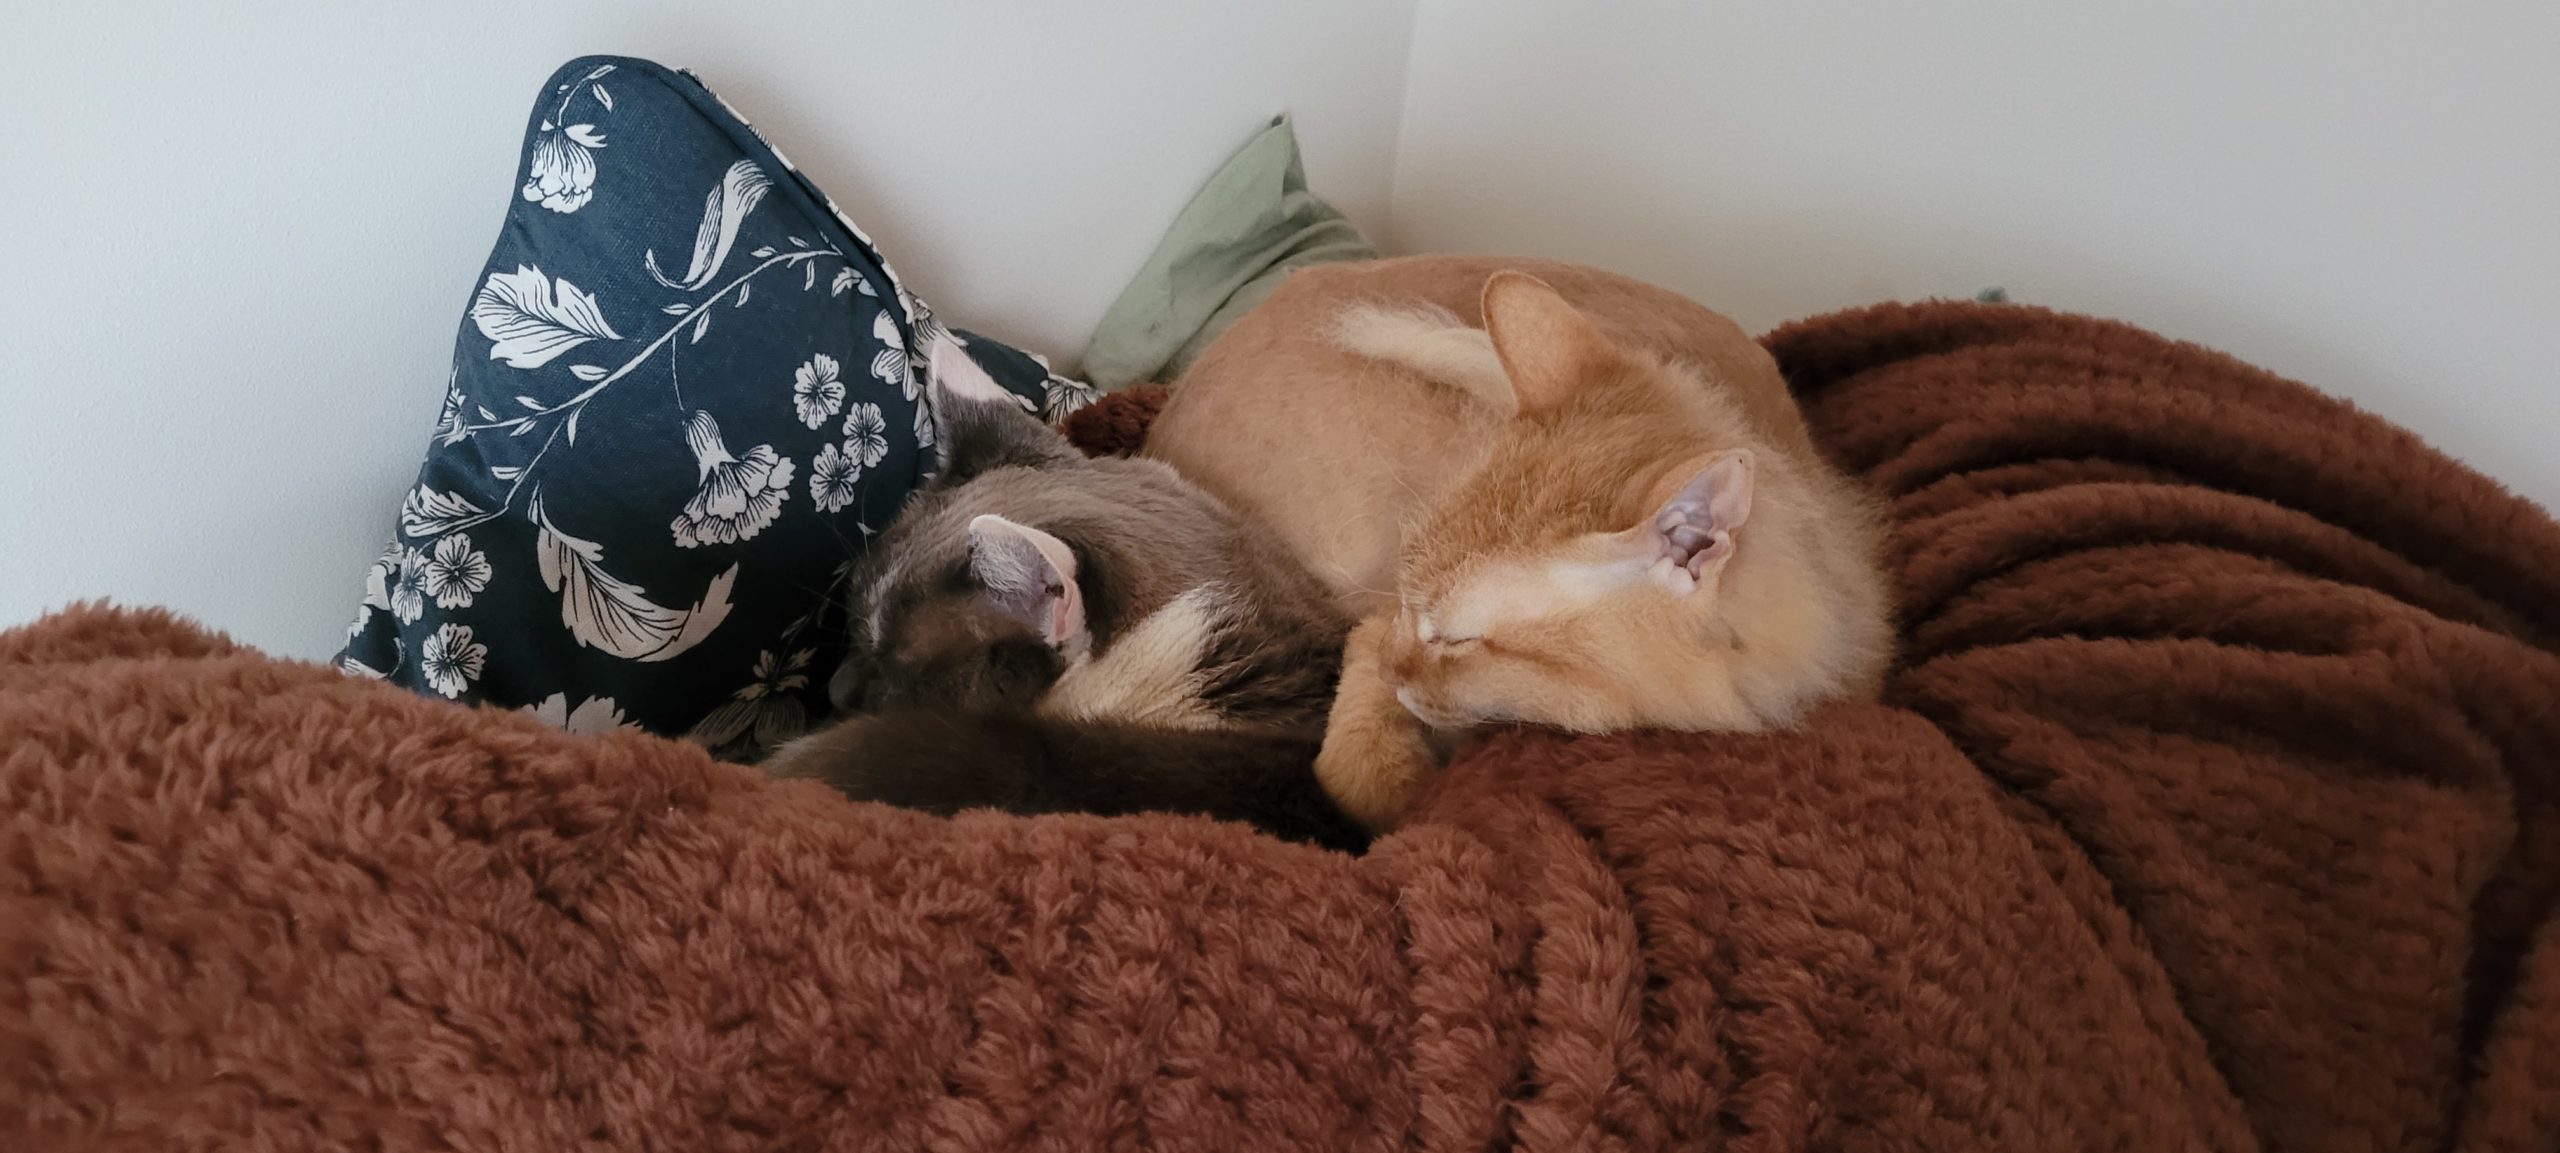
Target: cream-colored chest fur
x=1150, y=675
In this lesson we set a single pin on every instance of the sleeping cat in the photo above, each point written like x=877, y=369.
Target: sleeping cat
x=1040, y=632
x=1566, y=498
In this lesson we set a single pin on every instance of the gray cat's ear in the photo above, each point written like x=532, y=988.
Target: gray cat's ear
x=1030, y=576
x=980, y=426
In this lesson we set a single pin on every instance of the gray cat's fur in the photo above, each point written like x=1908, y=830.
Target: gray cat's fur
x=1179, y=661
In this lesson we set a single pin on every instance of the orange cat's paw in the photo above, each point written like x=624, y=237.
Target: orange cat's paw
x=1375, y=765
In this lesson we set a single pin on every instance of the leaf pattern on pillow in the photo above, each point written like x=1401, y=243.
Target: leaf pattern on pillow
x=530, y=318
x=725, y=211
x=593, y=715
x=614, y=615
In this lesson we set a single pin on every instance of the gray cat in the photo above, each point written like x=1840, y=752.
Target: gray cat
x=1041, y=632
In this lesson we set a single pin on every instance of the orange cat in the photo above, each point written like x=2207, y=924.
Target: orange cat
x=1599, y=510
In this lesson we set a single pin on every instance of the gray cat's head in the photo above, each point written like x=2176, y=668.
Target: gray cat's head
x=1015, y=559
x=965, y=601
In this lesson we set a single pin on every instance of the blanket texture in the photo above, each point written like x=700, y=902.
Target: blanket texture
x=2214, y=806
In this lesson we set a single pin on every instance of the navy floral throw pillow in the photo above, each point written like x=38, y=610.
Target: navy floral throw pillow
x=685, y=394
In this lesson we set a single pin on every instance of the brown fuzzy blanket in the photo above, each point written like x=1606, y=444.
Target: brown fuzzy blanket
x=2216, y=806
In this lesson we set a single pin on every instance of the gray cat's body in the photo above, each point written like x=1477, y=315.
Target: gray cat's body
x=1042, y=632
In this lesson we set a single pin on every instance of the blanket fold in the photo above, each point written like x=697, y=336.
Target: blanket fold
x=2215, y=804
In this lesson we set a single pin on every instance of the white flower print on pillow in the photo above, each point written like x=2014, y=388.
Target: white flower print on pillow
x=738, y=496
x=832, y=475
x=815, y=392
x=450, y=659
x=562, y=174
x=409, y=587
x=866, y=434
x=562, y=177
x=455, y=572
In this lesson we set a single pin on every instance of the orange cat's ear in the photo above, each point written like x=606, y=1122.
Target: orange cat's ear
x=1547, y=347
x=1693, y=530
x=1681, y=545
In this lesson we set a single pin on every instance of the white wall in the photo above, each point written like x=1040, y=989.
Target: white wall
x=234, y=244
x=235, y=240
x=2361, y=195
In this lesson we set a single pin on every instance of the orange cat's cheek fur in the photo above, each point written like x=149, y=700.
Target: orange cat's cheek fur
x=1575, y=698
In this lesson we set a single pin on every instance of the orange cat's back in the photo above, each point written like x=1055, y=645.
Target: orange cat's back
x=1337, y=452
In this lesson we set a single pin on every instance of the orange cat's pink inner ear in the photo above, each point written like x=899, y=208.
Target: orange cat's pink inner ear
x=1547, y=347
x=1694, y=527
